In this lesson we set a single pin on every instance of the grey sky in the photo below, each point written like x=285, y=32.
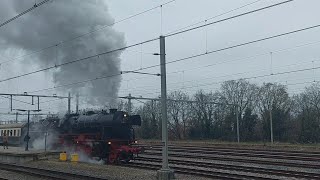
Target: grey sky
x=291, y=16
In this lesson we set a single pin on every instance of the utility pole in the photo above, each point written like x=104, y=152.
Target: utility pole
x=11, y=102
x=16, y=117
x=27, y=137
x=271, y=127
x=129, y=104
x=164, y=173
x=77, y=103
x=69, y=103
x=237, y=114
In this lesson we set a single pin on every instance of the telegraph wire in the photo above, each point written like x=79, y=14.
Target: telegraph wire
x=24, y=12
x=90, y=32
x=232, y=17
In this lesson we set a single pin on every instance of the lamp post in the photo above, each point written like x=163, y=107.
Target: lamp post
x=27, y=137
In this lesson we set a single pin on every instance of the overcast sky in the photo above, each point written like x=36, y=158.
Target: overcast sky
x=299, y=51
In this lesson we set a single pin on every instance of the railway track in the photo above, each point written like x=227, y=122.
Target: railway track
x=198, y=172
x=258, y=170
x=234, y=159
x=188, y=157
x=45, y=173
x=287, y=155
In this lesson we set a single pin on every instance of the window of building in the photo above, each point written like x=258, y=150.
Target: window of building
x=14, y=132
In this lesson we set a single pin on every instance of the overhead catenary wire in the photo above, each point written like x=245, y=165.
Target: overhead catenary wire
x=215, y=77
x=182, y=59
x=224, y=13
x=150, y=40
x=78, y=60
x=87, y=33
x=239, y=59
x=23, y=13
x=226, y=19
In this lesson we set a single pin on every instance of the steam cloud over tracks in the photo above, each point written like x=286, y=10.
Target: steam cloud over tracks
x=59, y=21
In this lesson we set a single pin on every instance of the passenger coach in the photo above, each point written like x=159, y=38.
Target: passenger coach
x=13, y=131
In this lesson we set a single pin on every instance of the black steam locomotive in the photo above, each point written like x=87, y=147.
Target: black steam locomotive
x=107, y=136
x=102, y=135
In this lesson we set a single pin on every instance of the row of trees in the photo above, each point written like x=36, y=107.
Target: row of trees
x=295, y=118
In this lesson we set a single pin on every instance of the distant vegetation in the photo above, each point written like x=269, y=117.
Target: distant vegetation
x=296, y=119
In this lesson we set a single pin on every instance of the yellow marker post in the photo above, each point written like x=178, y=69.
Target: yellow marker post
x=74, y=157
x=63, y=156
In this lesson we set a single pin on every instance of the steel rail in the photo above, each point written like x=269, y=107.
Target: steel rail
x=45, y=173
x=197, y=172
x=251, y=169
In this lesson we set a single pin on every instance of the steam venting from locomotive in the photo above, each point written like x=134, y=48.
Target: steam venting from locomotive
x=61, y=20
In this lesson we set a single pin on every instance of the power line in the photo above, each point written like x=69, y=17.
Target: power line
x=243, y=44
x=24, y=12
x=261, y=76
x=280, y=73
x=227, y=12
x=133, y=45
x=17, y=100
x=177, y=60
x=90, y=32
x=78, y=60
x=239, y=59
x=232, y=17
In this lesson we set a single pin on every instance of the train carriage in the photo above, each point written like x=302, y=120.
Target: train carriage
x=14, y=131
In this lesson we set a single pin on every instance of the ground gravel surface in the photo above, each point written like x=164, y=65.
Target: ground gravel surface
x=106, y=171
x=16, y=176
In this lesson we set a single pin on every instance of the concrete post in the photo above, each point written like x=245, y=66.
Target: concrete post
x=129, y=104
x=164, y=173
x=11, y=102
x=238, y=131
x=27, y=136
x=271, y=126
x=38, y=103
x=69, y=103
x=77, y=103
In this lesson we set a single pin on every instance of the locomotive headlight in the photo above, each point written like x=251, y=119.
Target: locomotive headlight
x=135, y=142
x=125, y=115
x=109, y=142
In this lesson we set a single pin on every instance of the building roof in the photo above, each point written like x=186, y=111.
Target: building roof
x=13, y=125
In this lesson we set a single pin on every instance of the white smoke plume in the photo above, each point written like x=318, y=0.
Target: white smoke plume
x=60, y=20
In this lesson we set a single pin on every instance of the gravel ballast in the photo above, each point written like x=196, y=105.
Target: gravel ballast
x=105, y=171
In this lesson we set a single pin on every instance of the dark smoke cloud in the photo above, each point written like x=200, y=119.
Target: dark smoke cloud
x=60, y=20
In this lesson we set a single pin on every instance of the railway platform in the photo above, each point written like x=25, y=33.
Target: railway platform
x=19, y=155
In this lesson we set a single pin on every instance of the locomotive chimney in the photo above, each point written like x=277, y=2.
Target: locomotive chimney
x=112, y=111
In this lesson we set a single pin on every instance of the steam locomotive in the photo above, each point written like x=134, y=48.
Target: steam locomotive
x=107, y=136
x=102, y=135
